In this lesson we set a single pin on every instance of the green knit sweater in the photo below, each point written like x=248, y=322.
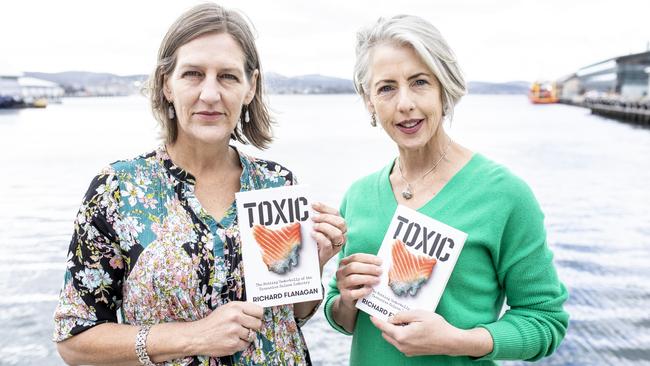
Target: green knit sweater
x=505, y=256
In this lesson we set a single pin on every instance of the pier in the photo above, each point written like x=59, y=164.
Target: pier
x=617, y=88
x=636, y=112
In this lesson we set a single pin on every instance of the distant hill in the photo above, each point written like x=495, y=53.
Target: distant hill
x=81, y=83
x=511, y=87
x=307, y=84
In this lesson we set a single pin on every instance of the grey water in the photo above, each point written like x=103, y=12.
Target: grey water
x=590, y=174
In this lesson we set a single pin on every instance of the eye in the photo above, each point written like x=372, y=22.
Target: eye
x=384, y=89
x=229, y=77
x=191, y=74
x=420, y=82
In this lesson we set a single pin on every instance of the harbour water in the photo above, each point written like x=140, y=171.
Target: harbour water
x=590, y=174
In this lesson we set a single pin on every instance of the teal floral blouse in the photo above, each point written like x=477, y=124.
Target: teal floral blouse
x=144, y=251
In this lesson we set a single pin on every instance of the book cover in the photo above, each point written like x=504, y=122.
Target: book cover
x=418, y=256
x=280, y=256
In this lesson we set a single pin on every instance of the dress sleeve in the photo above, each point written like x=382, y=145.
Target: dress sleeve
x=535, y=323
x=333, y=291
x=92, y=288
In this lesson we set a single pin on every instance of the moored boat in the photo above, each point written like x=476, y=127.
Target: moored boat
x=543, y=93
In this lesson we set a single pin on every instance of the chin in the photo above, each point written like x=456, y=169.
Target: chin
x=413, y=143
x=212, y=134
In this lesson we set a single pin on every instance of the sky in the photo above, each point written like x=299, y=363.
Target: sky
x=494, y=41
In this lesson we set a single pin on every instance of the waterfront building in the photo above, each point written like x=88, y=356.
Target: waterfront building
x=10, y=90
x=623, y=75
x=33, y=89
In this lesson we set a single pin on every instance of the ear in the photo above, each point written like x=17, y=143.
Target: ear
x=167, y=91
x=253, y=85
x=369, y=105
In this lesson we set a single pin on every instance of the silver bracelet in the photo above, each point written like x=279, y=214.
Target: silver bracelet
x=141, y=346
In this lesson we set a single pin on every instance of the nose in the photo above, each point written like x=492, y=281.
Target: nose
x=210, y=91
x=405, y=103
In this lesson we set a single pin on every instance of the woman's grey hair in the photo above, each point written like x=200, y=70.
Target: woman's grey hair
x=425, y=40
x=199, y=20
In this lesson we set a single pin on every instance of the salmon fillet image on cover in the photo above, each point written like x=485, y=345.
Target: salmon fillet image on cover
x=409, y=271
x=279, y=246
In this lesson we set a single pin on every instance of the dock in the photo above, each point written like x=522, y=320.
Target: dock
x=635, y=112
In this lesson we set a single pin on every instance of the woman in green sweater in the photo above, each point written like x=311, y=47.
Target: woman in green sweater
x=410, y=82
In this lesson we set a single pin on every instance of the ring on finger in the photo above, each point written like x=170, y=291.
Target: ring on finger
x=340, y=243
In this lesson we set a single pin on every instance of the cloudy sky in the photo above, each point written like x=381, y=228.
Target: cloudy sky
x=494, y=40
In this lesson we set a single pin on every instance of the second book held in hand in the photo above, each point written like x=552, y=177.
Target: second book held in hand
x=418, y=253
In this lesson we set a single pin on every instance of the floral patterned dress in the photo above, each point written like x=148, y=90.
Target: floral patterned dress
x=146, y=252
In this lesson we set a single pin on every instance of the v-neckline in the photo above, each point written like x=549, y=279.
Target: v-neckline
x=389, y=202
x=230, y=214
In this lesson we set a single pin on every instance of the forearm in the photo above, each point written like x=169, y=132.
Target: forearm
x=303, y=310
x=114, y=344
x=475, y=342
x=343, y=315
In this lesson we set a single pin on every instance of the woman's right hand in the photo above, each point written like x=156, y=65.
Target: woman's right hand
x=225, y=331
x=356, y=276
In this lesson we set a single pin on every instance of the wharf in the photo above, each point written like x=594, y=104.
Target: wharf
x=636, y=112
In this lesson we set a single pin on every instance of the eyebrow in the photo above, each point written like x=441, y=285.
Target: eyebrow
x=233, y=70
x=418, y=75
x=410, y=78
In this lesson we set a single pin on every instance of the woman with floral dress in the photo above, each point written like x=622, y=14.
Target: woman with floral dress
x=154, y=268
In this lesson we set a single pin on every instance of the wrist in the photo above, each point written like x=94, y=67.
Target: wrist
x=167, y=341
x=476, y=342
x=344, y=306
x=190, y=338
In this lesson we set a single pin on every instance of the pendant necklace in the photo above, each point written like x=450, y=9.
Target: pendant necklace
x=408, y=192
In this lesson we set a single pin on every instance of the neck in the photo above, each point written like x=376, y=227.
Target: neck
x=415, y=162
x=201, y=159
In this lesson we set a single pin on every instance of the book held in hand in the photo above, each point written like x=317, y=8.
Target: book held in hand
x=418, y=255
x=280, y=256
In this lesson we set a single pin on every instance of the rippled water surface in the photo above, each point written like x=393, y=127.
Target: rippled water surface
x=591, y=175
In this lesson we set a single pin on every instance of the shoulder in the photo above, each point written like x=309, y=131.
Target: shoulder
x=497, y=181
x=107, y=181
x=267, y=173
x=130, y=166
x=501, y=186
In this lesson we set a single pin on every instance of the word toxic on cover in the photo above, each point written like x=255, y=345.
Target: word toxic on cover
x=421, y=238
x=275, y=212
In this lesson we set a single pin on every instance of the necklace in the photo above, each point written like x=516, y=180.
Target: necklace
x=408, y=192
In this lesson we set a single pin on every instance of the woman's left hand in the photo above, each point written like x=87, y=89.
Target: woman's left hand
x=329, y=232
x=419, y=332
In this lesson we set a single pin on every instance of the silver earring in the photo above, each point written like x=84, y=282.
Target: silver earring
x=247, y=117
x=373, y=122
x=171, y=113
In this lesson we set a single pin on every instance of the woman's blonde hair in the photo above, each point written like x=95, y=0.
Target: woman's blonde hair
x=197, y=21
x=425, y=40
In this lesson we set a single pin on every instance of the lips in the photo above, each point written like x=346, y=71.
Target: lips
x=410, y=126
x=209, y=115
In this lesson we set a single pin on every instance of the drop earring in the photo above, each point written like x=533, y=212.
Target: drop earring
x=373, y=121
x=247, y=117
x=171, y=113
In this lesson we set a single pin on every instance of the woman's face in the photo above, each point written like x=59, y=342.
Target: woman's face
x=405, y=95
x=208, y=88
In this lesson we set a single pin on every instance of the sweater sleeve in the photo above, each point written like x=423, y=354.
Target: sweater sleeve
x=333, y=291
x=535, y=323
